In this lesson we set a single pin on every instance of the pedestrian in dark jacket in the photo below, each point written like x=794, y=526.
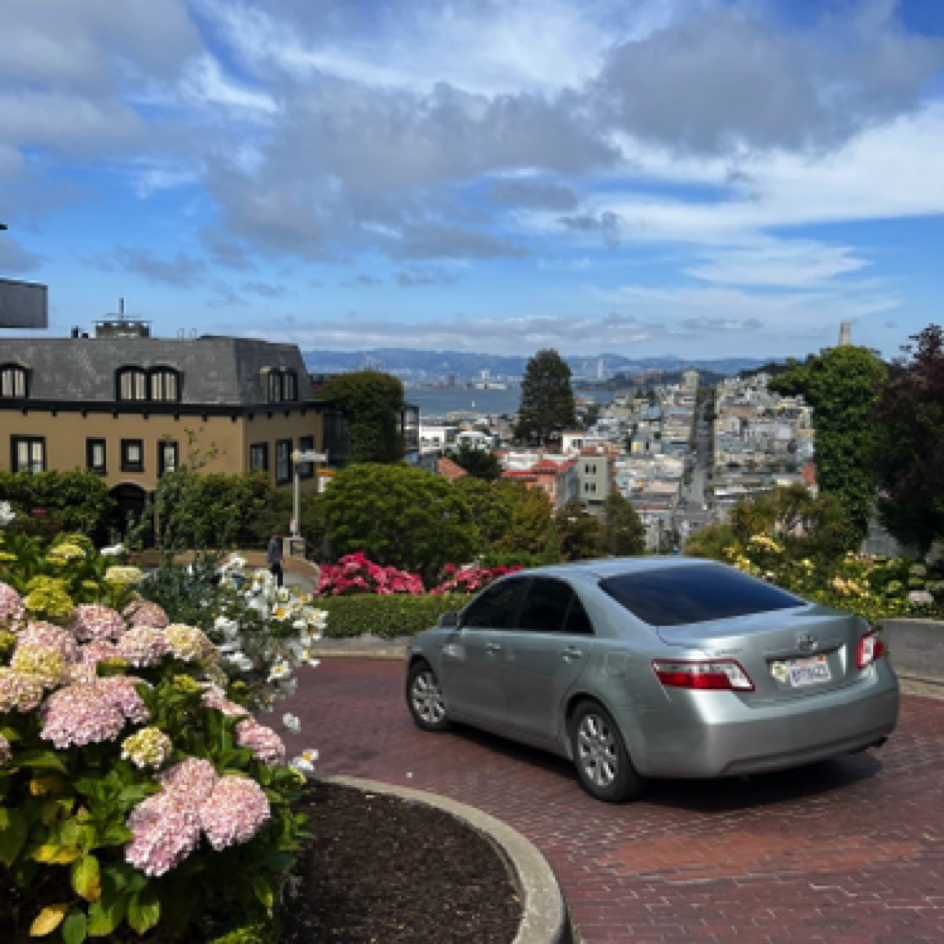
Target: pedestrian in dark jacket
x=274, y=557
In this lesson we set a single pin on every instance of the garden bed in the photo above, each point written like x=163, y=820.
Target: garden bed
x=381, y=868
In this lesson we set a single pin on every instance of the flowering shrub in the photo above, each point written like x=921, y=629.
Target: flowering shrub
x=471, y=579
x=355, y=574
x=873, y=587
x=136, y=789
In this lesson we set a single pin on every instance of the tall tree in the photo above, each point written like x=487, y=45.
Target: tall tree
x=490, y=506
x=479, y=462
x=526, y=526
x=547, y=401
x=579, y=532
x=841, y=385
x=370, y=401
x=909, y=453
x=623, y=531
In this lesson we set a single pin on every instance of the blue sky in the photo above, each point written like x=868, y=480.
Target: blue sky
x=706, y=178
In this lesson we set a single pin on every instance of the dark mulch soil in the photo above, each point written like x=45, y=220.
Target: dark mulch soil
x=382, y=870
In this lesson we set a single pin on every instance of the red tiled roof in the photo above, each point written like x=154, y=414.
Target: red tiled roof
x=450, y=470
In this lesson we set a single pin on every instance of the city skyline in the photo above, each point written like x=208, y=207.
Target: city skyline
x=711, y=179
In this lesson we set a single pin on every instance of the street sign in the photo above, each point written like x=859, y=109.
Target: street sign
x=309, y=456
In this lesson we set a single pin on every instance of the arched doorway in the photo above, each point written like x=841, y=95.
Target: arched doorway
x=130, y=501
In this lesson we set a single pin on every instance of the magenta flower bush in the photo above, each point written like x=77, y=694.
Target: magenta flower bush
x=355, y=574
x=470, y=579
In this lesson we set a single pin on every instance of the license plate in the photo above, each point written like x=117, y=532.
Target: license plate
x=808, y=671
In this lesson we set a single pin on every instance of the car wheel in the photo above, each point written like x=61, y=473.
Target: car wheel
x=425, y=698
x=603, y=765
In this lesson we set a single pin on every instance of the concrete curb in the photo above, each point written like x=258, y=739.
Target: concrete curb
x=545, y=913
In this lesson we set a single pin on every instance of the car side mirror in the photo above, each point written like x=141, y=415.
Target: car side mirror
x=448, y=620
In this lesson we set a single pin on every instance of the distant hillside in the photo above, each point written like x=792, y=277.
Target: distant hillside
x=432, y=365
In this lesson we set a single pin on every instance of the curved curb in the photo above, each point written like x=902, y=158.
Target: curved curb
x=544, y=920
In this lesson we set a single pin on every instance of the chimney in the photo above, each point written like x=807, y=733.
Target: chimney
x=845, y=333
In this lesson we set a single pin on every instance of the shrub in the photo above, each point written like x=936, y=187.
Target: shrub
x=71, y=501
x=135, y=788
x=355, y=574
x=387, y=616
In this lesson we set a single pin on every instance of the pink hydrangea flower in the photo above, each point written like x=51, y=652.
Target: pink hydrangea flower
x=90, y=621
x=236, y=810
x=215, y=697
x=99, y=651
x=194, y=776
x=91, y=712
x=145, y=613
x=143, y=645
x=50, y=637
x=264, y=743
x=11, y=608
x=166, y=830
x=6, y=753
x=19, y=692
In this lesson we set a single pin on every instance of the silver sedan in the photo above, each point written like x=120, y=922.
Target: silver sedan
x=655, y=667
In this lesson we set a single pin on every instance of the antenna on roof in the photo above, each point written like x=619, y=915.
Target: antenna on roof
x=121, y=308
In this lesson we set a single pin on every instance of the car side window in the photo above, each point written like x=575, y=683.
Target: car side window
x=545, y=606
x=578, y=622
x=496, y=607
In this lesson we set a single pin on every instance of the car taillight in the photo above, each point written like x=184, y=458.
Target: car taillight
x=869, y=649
x=721, y=675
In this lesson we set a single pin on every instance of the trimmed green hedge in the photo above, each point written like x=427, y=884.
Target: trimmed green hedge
x=387, y=615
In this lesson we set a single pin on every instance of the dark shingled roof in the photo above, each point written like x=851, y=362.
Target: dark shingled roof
x=216, y=370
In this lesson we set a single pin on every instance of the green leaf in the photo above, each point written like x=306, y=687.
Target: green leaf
x=264, y=892
x=85, y=878
x=144, y=910
x=14, y=829
x=106, y=914
x=40, y=760
x=75, y=928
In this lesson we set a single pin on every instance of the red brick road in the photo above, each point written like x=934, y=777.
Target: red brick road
x=847, y=851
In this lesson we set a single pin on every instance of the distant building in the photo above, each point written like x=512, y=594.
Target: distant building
x=690, y=380
x=845, y=333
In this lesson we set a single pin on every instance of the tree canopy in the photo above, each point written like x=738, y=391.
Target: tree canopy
x=623, y=531
x=580, y=533
x=841, y=385
x=370, y=401
x=526, y=527
x=547, y=400
x=491, y=507
x=399, y=516
x=480, y=463
x=909, y=443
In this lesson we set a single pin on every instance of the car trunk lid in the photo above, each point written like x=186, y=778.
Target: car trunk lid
x=787, y=654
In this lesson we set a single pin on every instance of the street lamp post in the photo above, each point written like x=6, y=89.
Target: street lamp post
x=298, y=458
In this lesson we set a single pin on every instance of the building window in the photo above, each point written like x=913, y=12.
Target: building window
x=281, y=385
x=12, y=381
x=275, y=387
x=96, y=456
x=306, y=470
x=289, y=385
x=166, y=457
x=164, y=384
x=132, y=455
x=283, y=464
x=132, y=383
x=28, y=454
x=259, y=457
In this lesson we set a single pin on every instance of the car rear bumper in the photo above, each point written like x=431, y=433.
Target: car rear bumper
x=717, y=734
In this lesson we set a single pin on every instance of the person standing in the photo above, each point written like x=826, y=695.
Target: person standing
x=274, y=557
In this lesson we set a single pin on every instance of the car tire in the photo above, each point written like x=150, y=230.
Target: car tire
x=604, y=768
x=424, y=698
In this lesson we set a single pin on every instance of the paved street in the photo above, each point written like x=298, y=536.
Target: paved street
x=847, y=851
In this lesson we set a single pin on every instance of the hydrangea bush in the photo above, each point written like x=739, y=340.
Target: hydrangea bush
x=137, y=789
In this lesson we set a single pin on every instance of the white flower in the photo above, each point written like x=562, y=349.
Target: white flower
x=305, y=761
x=288, y=687
x=292, y=723
x=229, y=628
x=279, y=671
x=114, y=551
x=7, y=514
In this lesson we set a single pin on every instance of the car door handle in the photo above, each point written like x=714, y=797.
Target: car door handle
x=492, y=647
x=571, y=652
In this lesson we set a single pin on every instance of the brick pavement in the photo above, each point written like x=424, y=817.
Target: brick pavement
x=847, y=851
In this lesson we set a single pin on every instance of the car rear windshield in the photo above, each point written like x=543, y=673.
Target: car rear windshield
x=678, y=595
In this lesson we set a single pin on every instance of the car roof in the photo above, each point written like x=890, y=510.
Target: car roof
x=615, y=566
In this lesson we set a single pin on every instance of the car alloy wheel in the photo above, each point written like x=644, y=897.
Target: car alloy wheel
x=603, y=765
x=425, y=698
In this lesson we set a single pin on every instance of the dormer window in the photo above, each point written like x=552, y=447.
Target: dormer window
x=12, y=381
x=164, y=384
x=157, y=384
x=132, y=383
x=282, y=385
